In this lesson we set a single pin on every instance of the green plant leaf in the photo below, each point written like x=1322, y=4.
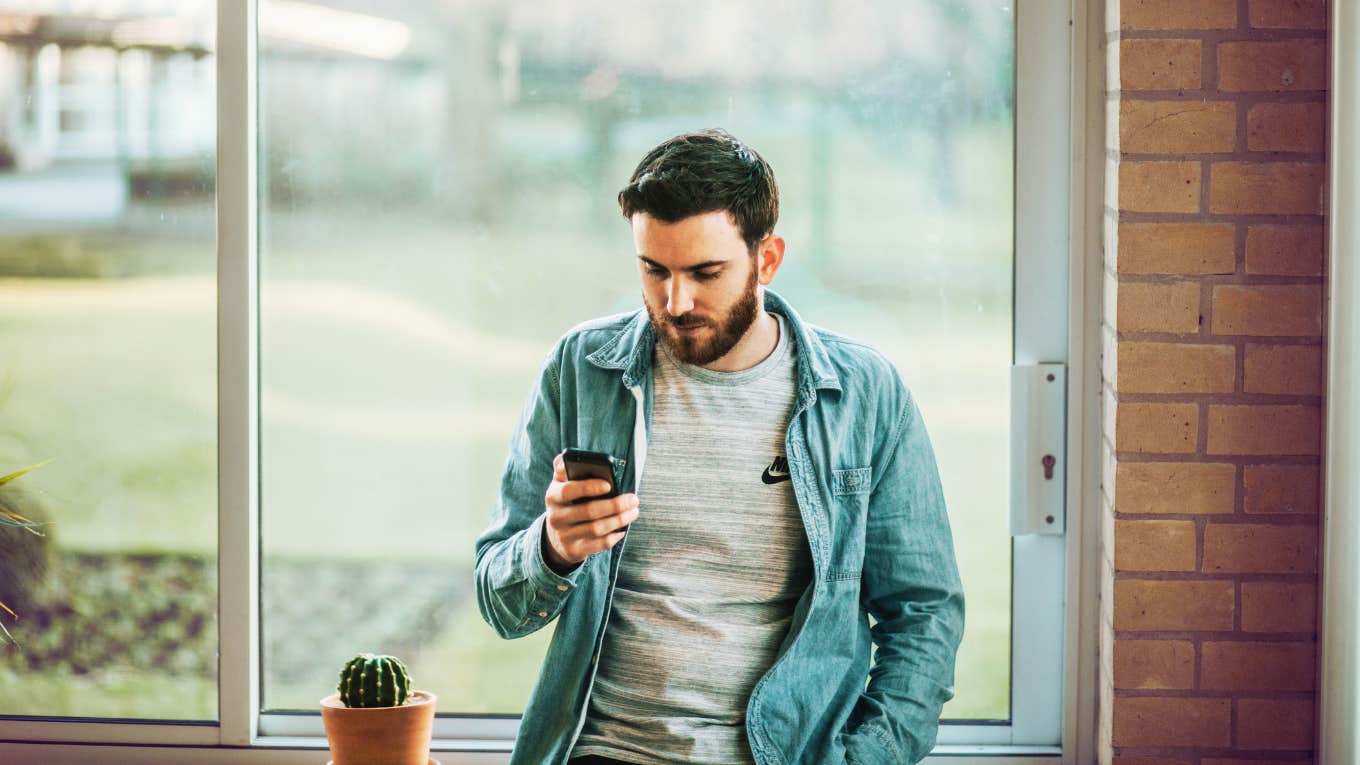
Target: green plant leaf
x=7, y=478
x=2, y=624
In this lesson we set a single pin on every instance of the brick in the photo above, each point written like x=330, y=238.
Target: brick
x=1176, y=248
x=1289, y=369
x=1154, y=545
x=1279, y=607
x=1289, y=489
x=1112, y=55
x=1109, y=362
x=1287, y=14
x=1264, y=429
x=1109, y=234
x=1166, y=722
x=1105, y=726
x=1282, y=66
x=1156, y=428
x=1158, y=307
x=1154, y=664
x=1148, y=605
x=1174, y=487
x=1246, y=666
x=1105, y=644
x=1253, y=548
x=1107, y=530
x=1284, y=250
x=1109, y=308
x=1177, y=14
x=1176, y=368
x=1253, y=761
x=1107, y=594
x=1266, y=188
x=1159, y=64
x=1287, y=127
x=1274, y=723
x=1107, y=602
x=1177, y=127
x=1281, y=310
x=1159, y=186
x=1109, y=411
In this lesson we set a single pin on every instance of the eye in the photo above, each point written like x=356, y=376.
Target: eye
x=654, y=271
x=706, y=276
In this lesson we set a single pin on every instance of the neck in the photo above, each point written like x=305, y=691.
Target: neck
x=754, y=347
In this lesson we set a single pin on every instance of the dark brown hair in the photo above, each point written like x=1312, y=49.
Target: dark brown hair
x=695, y=173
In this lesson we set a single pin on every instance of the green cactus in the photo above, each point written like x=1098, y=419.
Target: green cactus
x=371, y=680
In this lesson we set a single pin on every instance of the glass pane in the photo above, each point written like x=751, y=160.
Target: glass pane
x=442, y=207
x=108, y=368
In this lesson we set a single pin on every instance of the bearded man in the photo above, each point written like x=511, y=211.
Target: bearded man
x=779, y=488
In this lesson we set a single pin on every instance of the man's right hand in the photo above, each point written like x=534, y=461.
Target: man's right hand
x=572, y=532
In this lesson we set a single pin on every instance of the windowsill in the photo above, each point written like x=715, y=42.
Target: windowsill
x=284, y=750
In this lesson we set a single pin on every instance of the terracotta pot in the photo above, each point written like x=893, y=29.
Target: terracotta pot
x=381, y=735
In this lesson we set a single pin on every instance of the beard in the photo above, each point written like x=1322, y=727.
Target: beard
x=719, y=337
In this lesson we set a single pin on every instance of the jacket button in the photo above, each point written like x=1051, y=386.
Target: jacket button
x=542, y=613
x=563, y=587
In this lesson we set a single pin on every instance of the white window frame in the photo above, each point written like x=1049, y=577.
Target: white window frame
x=1057, y=314
x=1338, y=695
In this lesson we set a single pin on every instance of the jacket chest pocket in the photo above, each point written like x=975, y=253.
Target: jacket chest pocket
x=600, y=434
x=851, y=481
x=850, y=500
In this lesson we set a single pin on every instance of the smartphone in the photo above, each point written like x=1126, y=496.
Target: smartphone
x=584, y=465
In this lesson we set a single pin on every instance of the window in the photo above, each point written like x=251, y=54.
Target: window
x=107, y=321
x=433, y=187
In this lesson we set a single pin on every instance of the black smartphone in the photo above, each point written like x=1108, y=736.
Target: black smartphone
x=585, y=465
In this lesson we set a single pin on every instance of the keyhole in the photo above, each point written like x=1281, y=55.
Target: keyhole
x=1049, y=461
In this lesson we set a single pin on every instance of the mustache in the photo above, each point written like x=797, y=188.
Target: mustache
x=684, y=323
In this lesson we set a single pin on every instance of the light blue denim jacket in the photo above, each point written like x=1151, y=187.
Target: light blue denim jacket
x=868, y=489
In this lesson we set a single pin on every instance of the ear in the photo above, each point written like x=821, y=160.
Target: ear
x=769, y=255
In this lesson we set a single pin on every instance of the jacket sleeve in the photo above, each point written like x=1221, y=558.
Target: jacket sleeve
x=911, y=587
x=517, y=593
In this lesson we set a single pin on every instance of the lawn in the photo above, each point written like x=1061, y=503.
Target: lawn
x=397, y=347
x=134, y=456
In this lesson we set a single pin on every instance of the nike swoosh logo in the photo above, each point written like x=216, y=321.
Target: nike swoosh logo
x=773, y=478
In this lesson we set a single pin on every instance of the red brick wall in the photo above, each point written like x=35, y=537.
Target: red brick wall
x=1212, y=372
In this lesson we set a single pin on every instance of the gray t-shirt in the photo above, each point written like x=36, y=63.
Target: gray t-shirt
x=711, y=570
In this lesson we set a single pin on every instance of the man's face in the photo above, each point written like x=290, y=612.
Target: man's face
x=699, y=283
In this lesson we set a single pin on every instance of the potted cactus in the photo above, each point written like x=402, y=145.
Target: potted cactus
x=374, y=718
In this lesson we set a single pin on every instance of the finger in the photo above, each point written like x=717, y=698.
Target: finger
x=604, y=527
x=594, y=510
x=559, y=468
x=601, y=544
x=600, y=528
x=574, y=490
x=553, y=496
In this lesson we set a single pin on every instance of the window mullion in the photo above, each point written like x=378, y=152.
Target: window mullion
x=238, y=374
x=1042, y=205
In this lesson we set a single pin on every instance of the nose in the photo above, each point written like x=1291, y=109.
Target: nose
x=679, y=298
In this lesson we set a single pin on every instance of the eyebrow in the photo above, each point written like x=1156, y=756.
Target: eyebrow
x=692, y=269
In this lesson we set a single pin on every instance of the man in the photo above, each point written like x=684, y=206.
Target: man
x=780, y=488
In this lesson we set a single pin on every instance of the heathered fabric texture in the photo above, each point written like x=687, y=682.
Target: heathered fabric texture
x=713, y=568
